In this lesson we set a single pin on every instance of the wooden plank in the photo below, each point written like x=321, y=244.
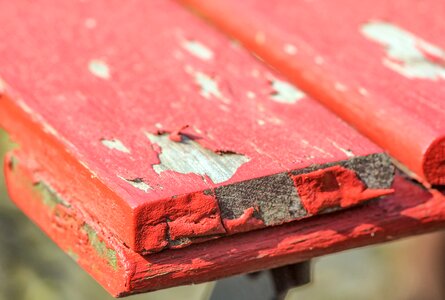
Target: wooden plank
x=165, y=132
x=411, y=210
x=380, y=65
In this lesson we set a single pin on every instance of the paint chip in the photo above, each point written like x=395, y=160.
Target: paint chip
x=209, y=87
x=188, y=157
x=363, y=91
x=290, y=49
x=198, y=50
x=348, y=152
x=285, y=92
x=250, y=95
x=340, y=87
x=115, y=144
x=99, y=68
x=137, y=183
x=406, y=53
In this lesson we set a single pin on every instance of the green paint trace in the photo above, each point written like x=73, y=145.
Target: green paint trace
x=100, y=246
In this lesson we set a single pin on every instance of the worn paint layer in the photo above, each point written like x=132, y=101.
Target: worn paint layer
x=100, y=246
x=407, y=54
x=189, y=157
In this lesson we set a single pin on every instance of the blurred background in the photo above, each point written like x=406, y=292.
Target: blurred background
x=32, y=267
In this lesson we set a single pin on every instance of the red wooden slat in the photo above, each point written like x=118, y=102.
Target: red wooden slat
x=165, y=132
x=411, y=210
x=380, y=65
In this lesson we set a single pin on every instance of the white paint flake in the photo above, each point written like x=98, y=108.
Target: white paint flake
x=340, y=87
x=285, y=92
x=137, y=183
x=290, y=49
x=209, y=87
x=189, y=157
x=407, y=54
x=198, y=50
x=115, y=144
x=363, y=91
x=99, y=68
x=250, y=95
x=348, y=152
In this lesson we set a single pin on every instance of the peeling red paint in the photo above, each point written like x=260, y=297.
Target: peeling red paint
x=176, y=134
x=186, y=216
x=331, y=187
x=407, y=121
x=194, y=215
x=411, y=210
x=246, y=222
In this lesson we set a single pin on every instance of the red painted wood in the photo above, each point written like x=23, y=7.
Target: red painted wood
x=411, y=210
x=90, y=87
x=377, y=64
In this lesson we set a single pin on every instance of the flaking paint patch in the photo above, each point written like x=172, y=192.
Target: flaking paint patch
x=284, y=92
x=407, y=54
x=115, y=144
x=188, y=156
x=100, y=246
x=48, y=195
x=99, y=68
x=198, y=50
x=137, y=183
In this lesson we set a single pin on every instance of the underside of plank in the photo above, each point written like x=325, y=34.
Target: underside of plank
x=380, y=65
x=411, y=210
x=164, y=132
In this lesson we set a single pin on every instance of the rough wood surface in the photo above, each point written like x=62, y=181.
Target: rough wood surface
x=165, y=132
x=380, y=65
x=411, y=210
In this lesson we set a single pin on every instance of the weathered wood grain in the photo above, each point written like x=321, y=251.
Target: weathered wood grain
x=380, y=65
x=411, y=210
x=165, y=132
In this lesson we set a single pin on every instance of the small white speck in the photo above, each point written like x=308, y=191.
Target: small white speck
x=372, y=234
x=198, y=50
x=90, y=23
x=250, y=95
x=290, y=49
x=319, y=60
x=158, y=125
x=99, y=68
x=261, y=122
x=348, y=152
x=340, y=87
x=209, y=87
x=115, y=144
x=285, y=92
x=363, y=91
x=260, y=38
